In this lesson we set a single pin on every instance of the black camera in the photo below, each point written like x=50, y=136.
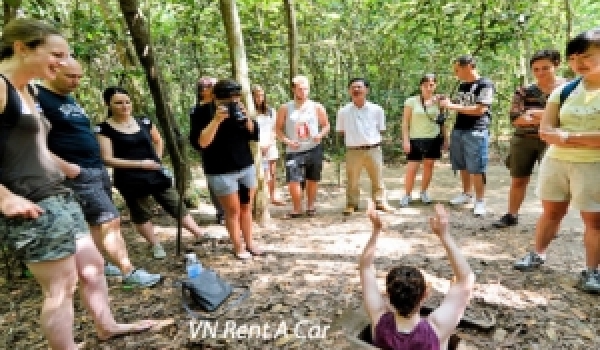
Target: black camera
x=235, y=112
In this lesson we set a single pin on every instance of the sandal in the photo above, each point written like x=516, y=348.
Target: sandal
x=311, y=212
x=292, y=215
x=277, y=202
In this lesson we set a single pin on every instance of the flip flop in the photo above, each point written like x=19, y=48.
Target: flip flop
x=138, y=327
x=311, y=212
x=292, y=215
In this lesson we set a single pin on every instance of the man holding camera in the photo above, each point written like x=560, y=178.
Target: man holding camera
x=297, y=126
x=223, y=132
x=470, y=136
x=361, y=123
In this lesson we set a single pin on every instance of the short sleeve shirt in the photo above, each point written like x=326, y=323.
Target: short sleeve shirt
x=481, y=91
x=361, y=126
x=579, y=112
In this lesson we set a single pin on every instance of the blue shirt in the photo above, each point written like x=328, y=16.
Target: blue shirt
x=71, y=136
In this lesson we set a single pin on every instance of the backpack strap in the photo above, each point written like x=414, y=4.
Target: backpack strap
x=567, y=90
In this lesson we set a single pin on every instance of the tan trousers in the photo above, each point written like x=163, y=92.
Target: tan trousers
x=372, y=160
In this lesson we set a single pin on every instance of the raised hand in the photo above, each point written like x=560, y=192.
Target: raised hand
x=439, y=223
x=374, y=216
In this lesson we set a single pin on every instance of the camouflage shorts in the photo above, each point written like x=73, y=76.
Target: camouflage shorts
x=51, y=236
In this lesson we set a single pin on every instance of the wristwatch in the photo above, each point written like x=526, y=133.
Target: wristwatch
x=563, y=135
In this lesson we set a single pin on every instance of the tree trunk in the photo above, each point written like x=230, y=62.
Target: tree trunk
x=143, y=47
x=569, y=18
x=239, y=67
x=292, y=37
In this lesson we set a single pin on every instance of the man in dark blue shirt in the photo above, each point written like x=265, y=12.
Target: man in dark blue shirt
x=470, y=136
x=72, y=139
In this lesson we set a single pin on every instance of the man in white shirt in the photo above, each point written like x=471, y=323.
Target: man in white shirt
x=361, y=123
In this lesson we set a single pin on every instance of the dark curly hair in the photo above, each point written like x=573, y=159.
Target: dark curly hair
x=405, y=287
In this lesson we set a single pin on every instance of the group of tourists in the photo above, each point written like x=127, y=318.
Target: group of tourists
x=56, y=193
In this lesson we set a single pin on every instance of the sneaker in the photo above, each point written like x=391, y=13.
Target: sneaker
x=506, y=221
x=111, y=270
x=158, y=252
x=462, y=198
x=479, y=208
x=425, y=198
x=141, y=278
x=405, y=201
x=529, y=262
x=589, y=281
x=349, y=210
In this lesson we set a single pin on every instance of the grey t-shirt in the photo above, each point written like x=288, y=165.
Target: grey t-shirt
x=302, y=125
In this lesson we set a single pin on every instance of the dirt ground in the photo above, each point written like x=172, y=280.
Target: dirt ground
x=309, y=277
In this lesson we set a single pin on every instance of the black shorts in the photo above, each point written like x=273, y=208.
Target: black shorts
x=141, y=208
x=92, y=189
x=425, y=149
x=305, y=165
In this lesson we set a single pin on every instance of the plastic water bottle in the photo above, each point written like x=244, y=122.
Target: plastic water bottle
x=192, y=265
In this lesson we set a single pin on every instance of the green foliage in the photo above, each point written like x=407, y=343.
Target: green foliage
x=392, y=43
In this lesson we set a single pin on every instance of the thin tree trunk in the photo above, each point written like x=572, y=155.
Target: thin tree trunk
x=239, y=67
x=290, y=12
x=569, y=18
x=143, y=47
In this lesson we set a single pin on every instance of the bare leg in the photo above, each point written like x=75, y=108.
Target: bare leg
x=246, y=224
x=427, y=174
x=479, y=186
x=272, y=182
x=409, y=176
x=190, y=224
x=591, y=239
x=57, y=279
x=311, y=193
x=516, y=194
x=548, y=224
x=465, y=178
x=94, y=292
x=109, y=240
x=296, y=194
x=231, y=205
x=147, y=231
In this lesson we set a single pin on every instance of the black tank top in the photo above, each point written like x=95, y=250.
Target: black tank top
x=26, y=166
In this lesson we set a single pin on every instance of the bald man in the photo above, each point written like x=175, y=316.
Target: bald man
x=72, y=139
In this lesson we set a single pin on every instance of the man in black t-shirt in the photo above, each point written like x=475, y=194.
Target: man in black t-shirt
x=470, y=136
x=72, y=139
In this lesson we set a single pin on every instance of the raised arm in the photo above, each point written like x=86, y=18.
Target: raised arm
x=447, y=316
x=374, y=302
x=208, y=133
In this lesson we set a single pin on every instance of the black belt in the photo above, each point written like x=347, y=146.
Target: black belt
x=366, y=146
x=531, y=136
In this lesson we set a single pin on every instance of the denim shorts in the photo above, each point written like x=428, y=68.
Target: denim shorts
x=469, y=150
x=302, y=166
x=51, y=236
x=92, y=188
x=224, y=184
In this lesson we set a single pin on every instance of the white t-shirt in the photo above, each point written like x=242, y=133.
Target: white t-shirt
x=361, y=126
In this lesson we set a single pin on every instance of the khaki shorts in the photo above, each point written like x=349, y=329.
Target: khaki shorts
x=523, y=154
x=561, y=181
x=51, y=236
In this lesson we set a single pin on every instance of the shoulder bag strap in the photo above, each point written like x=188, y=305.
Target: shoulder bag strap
x=567, y=90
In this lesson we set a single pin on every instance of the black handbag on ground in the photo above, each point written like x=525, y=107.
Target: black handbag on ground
x=208, y=292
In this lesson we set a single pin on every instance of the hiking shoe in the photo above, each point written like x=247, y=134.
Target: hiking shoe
x=349, y=210
x=529, y=262
x=141, y=278
x=589, y=281
x=462, y=198
x=425, y=198
x=506, y=221
x=158, y=252
x=479, y=208
x=111, y=270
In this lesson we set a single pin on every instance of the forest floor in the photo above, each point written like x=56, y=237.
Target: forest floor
x=309, y=277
